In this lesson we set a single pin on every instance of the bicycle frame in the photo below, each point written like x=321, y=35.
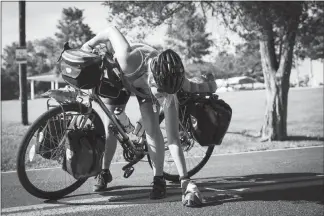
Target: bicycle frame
x=116, y=127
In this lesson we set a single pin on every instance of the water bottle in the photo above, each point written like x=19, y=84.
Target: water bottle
x=124, y=120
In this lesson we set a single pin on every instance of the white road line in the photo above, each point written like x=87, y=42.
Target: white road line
x=270, y=150
x=49, y=205
x=63, y=203
x=71, y=209
x=240, y=189
x=214, y=155
x=215, y=189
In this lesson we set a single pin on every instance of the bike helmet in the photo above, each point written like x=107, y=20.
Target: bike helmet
x=168, y=71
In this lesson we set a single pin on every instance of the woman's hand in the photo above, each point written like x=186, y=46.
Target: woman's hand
x=86, y=47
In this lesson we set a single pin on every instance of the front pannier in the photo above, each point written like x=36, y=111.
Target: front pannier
x=80, y=69
x=210, y=120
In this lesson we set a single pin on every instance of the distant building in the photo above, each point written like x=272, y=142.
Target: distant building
x=238, y=83
x=54, y=79
x=313, y=69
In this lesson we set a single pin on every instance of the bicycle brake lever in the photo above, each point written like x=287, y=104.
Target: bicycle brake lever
x=66, y=46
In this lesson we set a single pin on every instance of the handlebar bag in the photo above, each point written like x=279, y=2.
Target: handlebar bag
x=210, y=119
x=80, y=69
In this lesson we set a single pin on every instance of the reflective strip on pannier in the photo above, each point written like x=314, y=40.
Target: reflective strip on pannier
x=77, y=57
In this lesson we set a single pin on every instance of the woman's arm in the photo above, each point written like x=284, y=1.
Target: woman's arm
x=127, y=59
x=112, y=34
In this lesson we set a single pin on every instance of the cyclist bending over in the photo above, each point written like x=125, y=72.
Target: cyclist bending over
x=154, y=78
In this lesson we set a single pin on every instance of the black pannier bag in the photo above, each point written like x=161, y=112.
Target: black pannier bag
x=84, y=150
x=80, y=69
x=210, y=119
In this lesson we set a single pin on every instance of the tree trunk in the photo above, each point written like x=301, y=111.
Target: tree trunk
x=297, y=72
x=311, y=81
x=276, y=77
x=275, y=118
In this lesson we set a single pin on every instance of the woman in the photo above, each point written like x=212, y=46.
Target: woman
x=154, y=77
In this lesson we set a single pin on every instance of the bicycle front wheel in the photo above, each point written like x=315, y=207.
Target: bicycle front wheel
x=39, y=166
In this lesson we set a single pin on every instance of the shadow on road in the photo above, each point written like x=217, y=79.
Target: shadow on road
x=304, y=138
x=294, y=187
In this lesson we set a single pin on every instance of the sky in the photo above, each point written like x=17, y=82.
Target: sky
x=42, y=18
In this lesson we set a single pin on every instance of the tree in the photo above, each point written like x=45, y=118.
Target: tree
x=10, y=70
x=310, y=41
x=36, y=64
x=71, y=28
x=137, y=19
x=192, y=41
x=48, y=51
x=9, y=85
x=275, y=25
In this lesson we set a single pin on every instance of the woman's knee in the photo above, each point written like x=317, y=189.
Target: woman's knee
x=150, y=120
x=107, y=120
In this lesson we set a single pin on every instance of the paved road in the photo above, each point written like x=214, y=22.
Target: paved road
x=288, y=182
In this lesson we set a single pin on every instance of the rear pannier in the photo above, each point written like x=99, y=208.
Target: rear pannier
x=210, y=120
x=80, y=69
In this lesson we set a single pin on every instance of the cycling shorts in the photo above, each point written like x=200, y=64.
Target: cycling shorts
x=123, y=98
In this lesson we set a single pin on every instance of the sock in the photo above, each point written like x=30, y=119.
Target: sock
x=106, y=170
x=184, y=178
x=159, y=177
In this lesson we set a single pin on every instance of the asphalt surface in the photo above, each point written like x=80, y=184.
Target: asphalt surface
x=286, y=182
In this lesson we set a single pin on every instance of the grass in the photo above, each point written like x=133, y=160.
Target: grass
x=305, y=123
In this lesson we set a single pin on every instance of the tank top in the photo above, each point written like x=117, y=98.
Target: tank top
x=138, y=80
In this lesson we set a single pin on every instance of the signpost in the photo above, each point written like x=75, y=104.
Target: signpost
x=21, y=58
x=21, y=55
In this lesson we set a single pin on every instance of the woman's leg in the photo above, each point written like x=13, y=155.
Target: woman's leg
x=110, y=148
x=155, y=144
x=172, y=130
x=154, y=137
x=191, y=195
x=111, y=141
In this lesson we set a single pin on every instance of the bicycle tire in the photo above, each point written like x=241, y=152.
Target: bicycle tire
x=21, y=168
x=192, y=171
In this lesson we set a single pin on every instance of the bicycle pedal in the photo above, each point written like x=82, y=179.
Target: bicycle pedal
x=128, y=172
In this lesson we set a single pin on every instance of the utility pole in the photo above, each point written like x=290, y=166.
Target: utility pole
x=21, y=57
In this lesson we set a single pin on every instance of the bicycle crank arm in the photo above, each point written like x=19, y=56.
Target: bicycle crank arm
x=133, y=162
x=129, y=169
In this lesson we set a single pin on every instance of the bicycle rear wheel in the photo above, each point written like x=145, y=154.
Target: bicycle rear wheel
x=196, y=156
x=40, y=171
